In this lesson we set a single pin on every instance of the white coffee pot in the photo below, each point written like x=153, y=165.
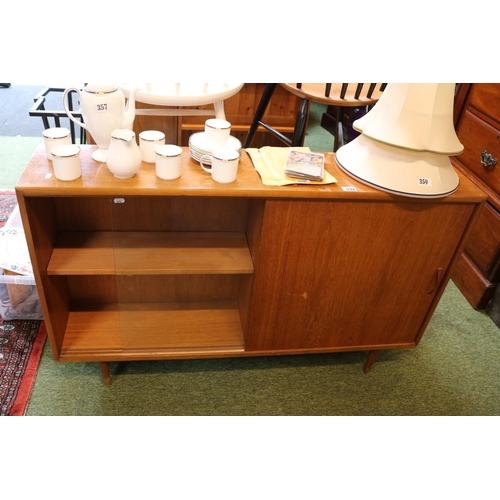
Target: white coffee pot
x=124, y=157
x=103, y=109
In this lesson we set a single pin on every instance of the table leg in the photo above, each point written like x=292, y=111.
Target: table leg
x=219, y=110
x=372, y=356
x=105, y=373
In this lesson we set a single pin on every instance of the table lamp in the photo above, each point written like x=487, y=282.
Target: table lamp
x=406, y=141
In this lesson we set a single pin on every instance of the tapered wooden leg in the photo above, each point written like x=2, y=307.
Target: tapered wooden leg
x=105, y=373
x=372, y=356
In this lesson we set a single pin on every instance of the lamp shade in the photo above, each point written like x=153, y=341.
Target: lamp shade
x=416, y=116
x=398, y=170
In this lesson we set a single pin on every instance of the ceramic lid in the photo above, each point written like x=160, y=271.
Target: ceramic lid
x=226, y=154
x=56, y=133
x=65, y=150
x=101, y=88
x=123, y=133
x=152, y=135
x=168, y=150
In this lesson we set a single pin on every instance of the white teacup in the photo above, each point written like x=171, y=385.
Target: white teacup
x=66, y=162
x=217, y=133
x=224, y=167
x=168, y=161
x=55, y=136
x=149, y=140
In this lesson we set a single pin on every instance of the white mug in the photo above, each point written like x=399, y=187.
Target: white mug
x=66, y=162
x=168, y=161
x=149, y=140
x=217, y=133
x=224, y=165
x=55, y=136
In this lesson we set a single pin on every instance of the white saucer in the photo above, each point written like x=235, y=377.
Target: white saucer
x=198, y=142
x=197, y=156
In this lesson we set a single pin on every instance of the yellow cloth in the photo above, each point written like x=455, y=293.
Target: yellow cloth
x=270, y=164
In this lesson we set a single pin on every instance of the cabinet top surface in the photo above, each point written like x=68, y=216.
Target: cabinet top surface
x=38, y=180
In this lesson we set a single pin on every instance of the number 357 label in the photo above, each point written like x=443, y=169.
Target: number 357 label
x=424, y=181
x=102, y=107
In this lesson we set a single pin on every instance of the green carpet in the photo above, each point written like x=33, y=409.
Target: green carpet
x=15, y=152
x=317, y=138
x=454, y=371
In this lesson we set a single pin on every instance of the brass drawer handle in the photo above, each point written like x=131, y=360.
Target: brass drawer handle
x=487, y=160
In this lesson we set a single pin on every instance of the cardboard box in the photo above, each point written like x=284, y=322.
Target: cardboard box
x=18, y=294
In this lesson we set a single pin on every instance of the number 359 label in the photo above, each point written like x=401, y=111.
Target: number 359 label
x=424, y=181
x=100, y=108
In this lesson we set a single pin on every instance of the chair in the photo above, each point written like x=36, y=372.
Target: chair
x=38, y=109
x=350, y=101
x=179, y=95
x=179, y=100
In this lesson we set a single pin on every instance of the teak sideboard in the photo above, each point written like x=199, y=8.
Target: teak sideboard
x=143, y=268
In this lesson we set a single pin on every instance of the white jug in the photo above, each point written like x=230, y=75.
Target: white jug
x=103, y=110
x=124, y=156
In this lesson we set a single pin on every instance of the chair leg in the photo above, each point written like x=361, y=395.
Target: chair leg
x=300, y=123
x=259, y=113
x=339, y=136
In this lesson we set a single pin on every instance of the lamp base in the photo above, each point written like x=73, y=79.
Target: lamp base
x=396, y=170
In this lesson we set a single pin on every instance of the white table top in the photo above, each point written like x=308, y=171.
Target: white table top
x=181, y=94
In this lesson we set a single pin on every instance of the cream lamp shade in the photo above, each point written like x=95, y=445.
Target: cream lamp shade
x=416, y=116
x=405, y=143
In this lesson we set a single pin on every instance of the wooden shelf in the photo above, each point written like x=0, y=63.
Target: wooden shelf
x=129, y=253
x=182, y=328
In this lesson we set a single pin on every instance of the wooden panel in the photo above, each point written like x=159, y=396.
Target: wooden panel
x=483, y=247
x=240, y=110
x=178, y=288
x=83, y=213
x=87, y=252
x=181, y=326
x=486, y=98
x=166, y=213
x=461, y=93
x=254, y=233
x=241, y=107
x=93, y=329
x=327, y=272
x=477, y=136
x=150, y=253
x=88, y=289
x=163, y=288
x=165, y=124
x=40, y=227
x=194, y=184
x=106, y=330
x=477, y=289
x=182, y=253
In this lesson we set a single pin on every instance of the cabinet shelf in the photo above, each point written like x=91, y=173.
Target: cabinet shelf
x=115, y=330
x=129, y=253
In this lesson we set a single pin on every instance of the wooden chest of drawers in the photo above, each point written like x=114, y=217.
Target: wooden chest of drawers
x=478, y=127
